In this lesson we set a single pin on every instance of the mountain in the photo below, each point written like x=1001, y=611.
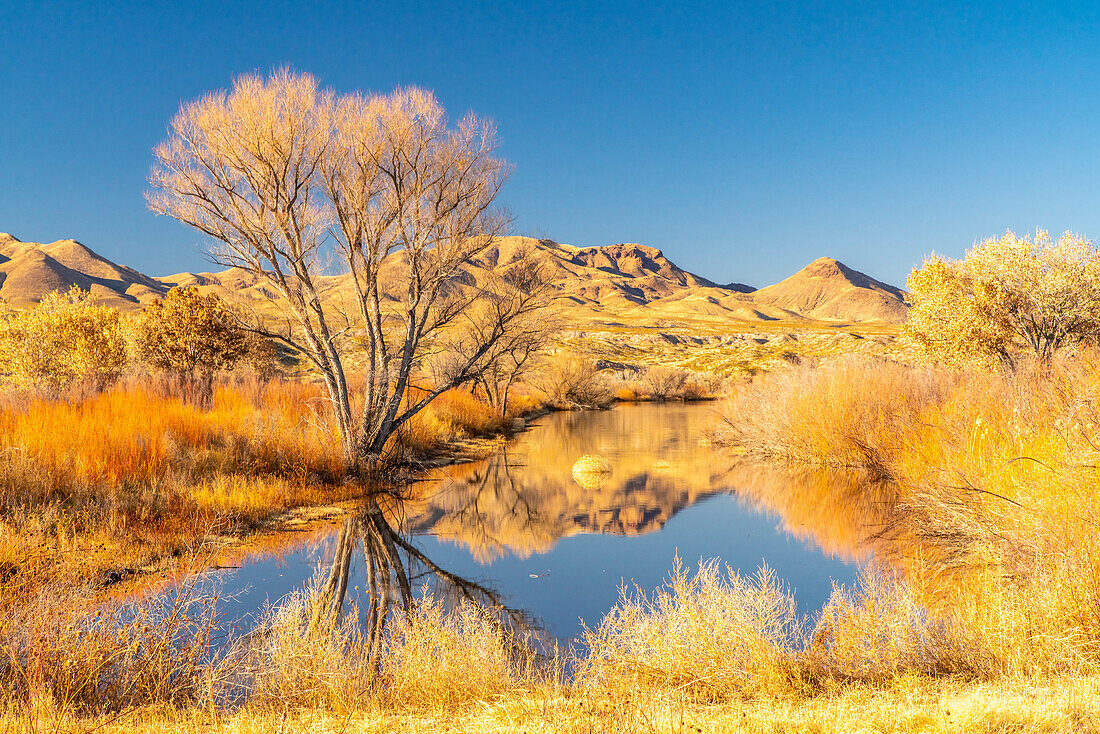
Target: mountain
x=621, y=283
x=30, y=270
x=829, y=289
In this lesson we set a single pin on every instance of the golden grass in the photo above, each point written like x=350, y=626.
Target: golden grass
x=712, y=650
x=1028, y=706
x=118, y=480
x=714, y=636
x=995, y=477
x=62, y=654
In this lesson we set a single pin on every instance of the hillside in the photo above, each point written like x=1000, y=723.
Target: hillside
x=30, y=270
x=622, y=283
x=829, y=289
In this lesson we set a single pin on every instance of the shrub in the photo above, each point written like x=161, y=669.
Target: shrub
x=572, y=381
x=67, y=337
x=187, y=332
x=664, y=382
x=65, y=654
x=434, y=658
x=714, y=635
x=1007, y=292
x=848, y=412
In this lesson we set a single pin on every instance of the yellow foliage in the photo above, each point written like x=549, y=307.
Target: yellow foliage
x=1007, y=292
x=188, y=331
x=67, y=337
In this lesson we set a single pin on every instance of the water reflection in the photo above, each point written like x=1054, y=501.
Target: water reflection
x=526, y=498
x=394, y=573
x=520, y=535
x=843, y=512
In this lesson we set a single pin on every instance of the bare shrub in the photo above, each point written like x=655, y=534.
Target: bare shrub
x=64, y=654
x=714, y=635
x=435, y=658
x=662, y=382
x=572, y=381
x=881, y=630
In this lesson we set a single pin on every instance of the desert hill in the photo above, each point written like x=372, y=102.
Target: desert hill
x=621, y=283
x=30, y=270
x=829, y=289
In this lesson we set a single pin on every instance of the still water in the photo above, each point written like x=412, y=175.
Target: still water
x=522, y=532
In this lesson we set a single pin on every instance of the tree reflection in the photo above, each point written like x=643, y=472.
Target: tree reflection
x=396, y=572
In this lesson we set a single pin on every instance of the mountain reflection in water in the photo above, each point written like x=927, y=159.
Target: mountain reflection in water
x=520, y=535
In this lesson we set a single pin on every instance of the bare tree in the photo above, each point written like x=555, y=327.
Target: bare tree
x=285, y=177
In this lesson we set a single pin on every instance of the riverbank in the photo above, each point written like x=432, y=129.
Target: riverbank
x=104, y=489
x=713, y=651
x=994, y=478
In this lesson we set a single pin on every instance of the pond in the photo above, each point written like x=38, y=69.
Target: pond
x=521, y=532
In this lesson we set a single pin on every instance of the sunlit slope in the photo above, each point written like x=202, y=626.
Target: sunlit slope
x=829, y=289
x=30, y=270
x=636, y=284
x=613, y=285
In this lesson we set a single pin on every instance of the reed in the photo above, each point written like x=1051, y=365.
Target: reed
x=995, y=477
x=92, y=482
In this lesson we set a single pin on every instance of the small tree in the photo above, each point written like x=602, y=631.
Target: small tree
x=67, y=337
x=188, y=333
x=1007, y=293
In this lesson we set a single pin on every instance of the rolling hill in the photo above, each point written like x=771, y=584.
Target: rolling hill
x=621, y=283
x=30, y=270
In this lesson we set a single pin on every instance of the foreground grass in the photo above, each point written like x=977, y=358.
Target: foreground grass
x=711, y=651
x=1026, y=705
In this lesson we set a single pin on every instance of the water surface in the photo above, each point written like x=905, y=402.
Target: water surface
x=521, y=531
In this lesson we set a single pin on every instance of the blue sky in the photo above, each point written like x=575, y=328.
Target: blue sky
x=742, y=139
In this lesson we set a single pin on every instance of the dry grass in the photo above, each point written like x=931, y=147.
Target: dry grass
x=61, y=654
x=715, y=636
x=94, y=485
x=711, y=650
x=434, y=658
x=850, y=412
x=1033, y=706
x=996, y=488
x=992, y=625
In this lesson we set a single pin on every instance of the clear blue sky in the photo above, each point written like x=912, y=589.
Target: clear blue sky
x=742, y=139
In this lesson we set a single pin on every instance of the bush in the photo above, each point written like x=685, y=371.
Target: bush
x=63, y=654
x=713, y=635
x=848, y=412
x=1007, y=293
x=434, y=658
x=571, y=381
x=67, y=337
x=664, y=382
